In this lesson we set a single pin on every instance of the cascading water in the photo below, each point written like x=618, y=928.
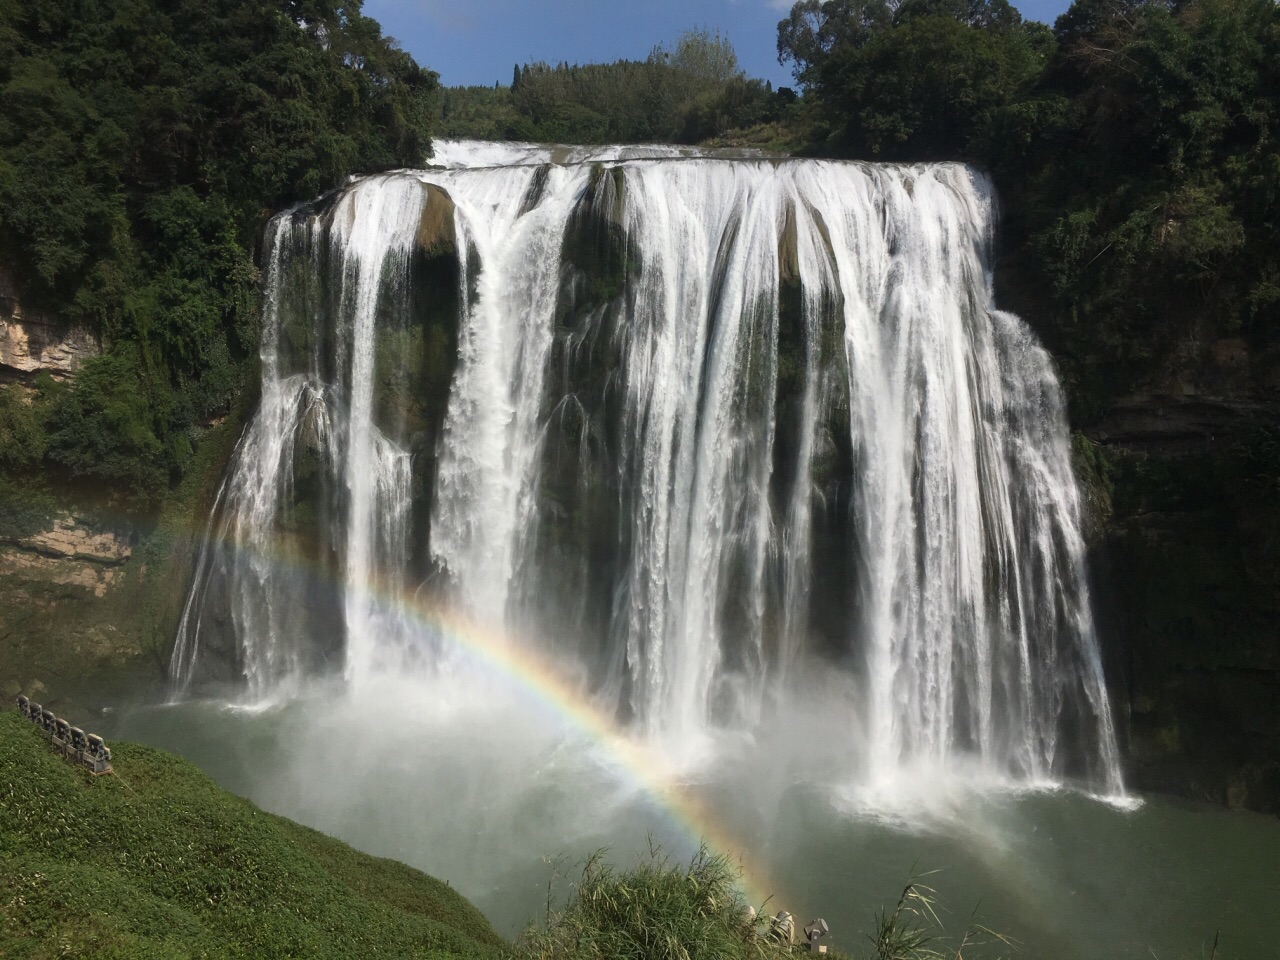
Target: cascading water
x=711, y=424
x=315, y=418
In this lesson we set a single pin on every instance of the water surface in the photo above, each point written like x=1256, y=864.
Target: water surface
x=500, y=796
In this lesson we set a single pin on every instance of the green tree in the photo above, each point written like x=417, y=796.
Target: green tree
x=683, y=94
x=915, y=82
x=1142, y=172
x=702, y=57
x=817, y=34
x=142, y=144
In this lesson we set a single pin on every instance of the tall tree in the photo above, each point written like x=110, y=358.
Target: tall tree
x=912, y=81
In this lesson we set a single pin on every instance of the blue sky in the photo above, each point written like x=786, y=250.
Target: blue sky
x=478, y=41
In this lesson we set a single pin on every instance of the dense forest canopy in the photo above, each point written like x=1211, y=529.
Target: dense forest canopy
x=142, y=145
x=685, y=93
x=909, y=80
x=1143, y=167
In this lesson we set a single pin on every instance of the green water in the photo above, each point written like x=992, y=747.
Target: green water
x=499, y=798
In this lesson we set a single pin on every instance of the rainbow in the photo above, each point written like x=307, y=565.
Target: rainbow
x=519, y=664
x=537, y=677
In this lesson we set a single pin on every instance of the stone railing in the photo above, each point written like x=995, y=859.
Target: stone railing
x=87, y=750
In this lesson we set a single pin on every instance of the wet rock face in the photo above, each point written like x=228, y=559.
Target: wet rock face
x=68, y=591
x=30, y=344
x=68, y=553
x=1192, y=611
x=85, y=576
x=1187, y=568
x=1185, y=548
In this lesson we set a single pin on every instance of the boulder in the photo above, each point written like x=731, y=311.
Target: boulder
x=436, y=234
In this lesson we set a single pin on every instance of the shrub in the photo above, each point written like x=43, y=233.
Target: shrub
x=658, y=910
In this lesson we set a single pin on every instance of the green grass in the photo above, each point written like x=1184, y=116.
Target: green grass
x=661, y=909
x=157, y=861
x=657, y=910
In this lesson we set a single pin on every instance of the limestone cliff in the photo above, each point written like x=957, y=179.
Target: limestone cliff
x=90, y=596
x=71, y=599
x=68, y=553
x=30, y=343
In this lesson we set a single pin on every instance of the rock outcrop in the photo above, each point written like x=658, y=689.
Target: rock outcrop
x=68, y=554
x=69, y=539
x=91, y=594
x=30, y=343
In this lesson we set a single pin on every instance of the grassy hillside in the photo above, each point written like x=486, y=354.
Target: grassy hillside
x=157, y=861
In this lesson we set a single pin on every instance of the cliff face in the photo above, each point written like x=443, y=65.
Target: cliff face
x=91, y=584
x=90, y=596
x=1186, y=563
x=65, y=590
x=70, y=591
x=30, y=343
x=90, y=599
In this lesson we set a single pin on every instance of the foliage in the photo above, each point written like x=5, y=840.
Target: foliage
x=658, y=910
x=913, y=931
x=1260, y=460
x=702, y=57
x=104, y=427
x=22, y=436
x=1143, y=177
x=156, y=861
x=684, y=94
x=914, y=80
x=24, y=510
x=1095, y=476
x=142, y=144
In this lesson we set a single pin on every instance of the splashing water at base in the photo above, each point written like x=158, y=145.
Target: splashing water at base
x=476, y=781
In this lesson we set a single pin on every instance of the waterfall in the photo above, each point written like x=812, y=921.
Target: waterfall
x=315, y=418
x=698, y=426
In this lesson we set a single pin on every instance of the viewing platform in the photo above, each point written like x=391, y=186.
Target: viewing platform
x=87, y=750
